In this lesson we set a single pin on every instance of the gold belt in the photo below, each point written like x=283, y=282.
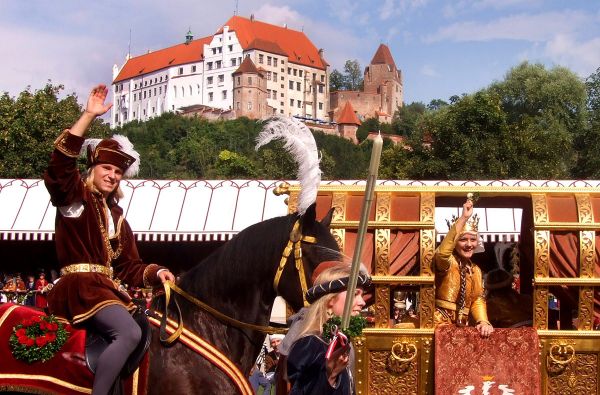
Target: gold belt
x=450, y=306
x=87, y=268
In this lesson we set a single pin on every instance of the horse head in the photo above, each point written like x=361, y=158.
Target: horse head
x=317, y=245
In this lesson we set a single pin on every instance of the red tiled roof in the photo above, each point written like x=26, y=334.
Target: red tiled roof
x=348, y=116
x=254, y=34
x=247, y=66
x=163, y=58
x=383, y=56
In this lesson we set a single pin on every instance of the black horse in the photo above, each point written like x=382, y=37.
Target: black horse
x=237, y=280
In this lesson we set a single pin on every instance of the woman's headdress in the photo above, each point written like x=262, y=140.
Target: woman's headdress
x=335, y=286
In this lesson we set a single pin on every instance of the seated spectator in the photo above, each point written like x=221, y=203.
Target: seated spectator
x=506, y=307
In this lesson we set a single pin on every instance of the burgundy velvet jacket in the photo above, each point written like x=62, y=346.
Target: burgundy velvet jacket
x=79, y=239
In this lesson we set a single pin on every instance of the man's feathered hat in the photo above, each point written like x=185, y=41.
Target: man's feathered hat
x=117, y=150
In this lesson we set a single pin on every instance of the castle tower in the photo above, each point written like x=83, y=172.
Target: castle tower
x=382, y=77
x=250, y=91
x=348, y=123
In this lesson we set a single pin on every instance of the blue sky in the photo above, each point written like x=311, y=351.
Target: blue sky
x=443, y=48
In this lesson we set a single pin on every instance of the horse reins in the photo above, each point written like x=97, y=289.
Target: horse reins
x=295, y=243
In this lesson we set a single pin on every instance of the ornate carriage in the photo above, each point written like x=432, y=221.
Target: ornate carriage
x=559, y=245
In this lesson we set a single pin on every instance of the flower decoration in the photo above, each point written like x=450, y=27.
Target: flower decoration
x=355, y=327
x=37, y=339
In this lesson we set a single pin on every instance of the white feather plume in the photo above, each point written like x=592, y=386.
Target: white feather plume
x=300, y=143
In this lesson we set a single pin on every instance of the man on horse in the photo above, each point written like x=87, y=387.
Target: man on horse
x=94, y=243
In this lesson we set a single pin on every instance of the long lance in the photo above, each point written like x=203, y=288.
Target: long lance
x=362, y=228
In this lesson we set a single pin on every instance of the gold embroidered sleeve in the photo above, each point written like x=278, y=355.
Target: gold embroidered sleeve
x=150, y=275
x=68, y=144
x=444, y=251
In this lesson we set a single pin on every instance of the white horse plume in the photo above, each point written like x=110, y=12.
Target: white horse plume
x=300, y=143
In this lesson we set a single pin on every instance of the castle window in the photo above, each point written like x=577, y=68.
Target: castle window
x=291, y=102
x=233, y=61
x=291, y=84
x=300, y=73
x=230, y=47
x=249, y=80
x=144, y=94
x=268, y=76
x=299, y=103
x=154, y=91
x=320, y=88
x=269, y=60
x=298, y=86
x=210, y=96
x=224, y=95
x=320, y=106
x=289, y=71
x=322, y=78
x=238, y=105
x=295, y=72
x=214, y=51
x=193, y=69
x=209, y=80
x=218, y=64
x=182, y=91
x=249, y=105
x=174, y=91
x=275, y=62
x=261, y=58
x=275, y=77
x=239, y=80
x=180, y=71
x=209, y=65
x=221, y=78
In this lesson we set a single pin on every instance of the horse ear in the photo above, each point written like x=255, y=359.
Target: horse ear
x=326, y=221
x=310, y=215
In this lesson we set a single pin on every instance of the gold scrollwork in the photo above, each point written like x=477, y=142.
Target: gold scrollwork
x=382, y=252
x=402, y=354
x=381, y=308
x=282, y=189
x=426, y=306
x=384, y=201
x=293, y=202
x=400, y=349
x=584, y=208
x=339, y=206
x=427, y=249
x=587, y=253
x=559, y=356
x=542, y=253
x=427, y=207
x=540, y=311
x=586, y=308
x=540, y=208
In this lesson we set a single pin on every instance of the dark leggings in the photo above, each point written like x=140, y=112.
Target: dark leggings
x=116, y=323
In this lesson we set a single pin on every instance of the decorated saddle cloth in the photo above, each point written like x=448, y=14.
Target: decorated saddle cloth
x=65, y=371
x=505, y=363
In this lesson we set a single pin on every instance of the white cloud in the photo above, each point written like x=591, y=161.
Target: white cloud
x=428, y=71
x=540, y=27
x=279, y=15
x=581, y=57
x=345, y=10
x=394, y=8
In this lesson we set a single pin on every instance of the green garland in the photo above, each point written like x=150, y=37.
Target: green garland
x=37, y=339
x=355, y=326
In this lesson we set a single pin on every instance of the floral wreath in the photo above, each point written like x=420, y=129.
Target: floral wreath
x=355, y=327
x=38, y=338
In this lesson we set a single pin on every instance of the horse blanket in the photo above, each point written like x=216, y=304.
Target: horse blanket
x=66, y=373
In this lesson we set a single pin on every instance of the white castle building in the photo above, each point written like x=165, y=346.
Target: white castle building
x=286, y=74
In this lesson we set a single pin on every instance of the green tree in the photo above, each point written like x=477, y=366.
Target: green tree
x=233, y=165
x=546, y=111
x=353, y=75
x=336, y=81
x=588, y=142
x=30, y=123
x=406, y=118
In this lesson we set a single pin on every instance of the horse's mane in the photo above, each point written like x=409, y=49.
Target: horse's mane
x=244, y=257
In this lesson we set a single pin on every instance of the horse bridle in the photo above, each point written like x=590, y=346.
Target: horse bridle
x=294, y=243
